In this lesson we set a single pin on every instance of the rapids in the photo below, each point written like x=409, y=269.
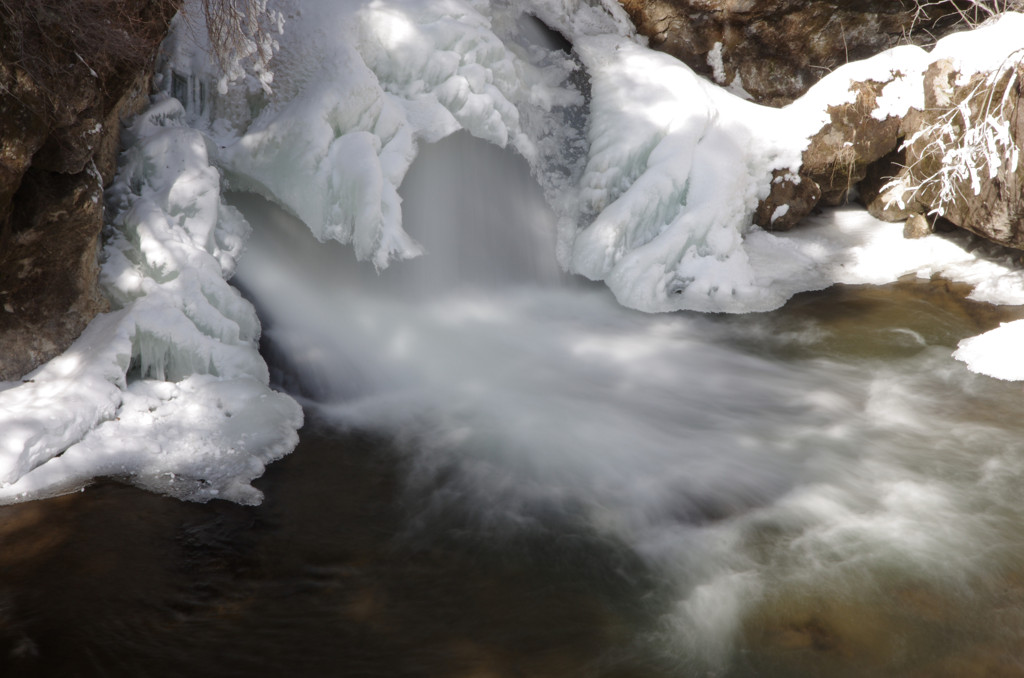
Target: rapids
x=821, y=487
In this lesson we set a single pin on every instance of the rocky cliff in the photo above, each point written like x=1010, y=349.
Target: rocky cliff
x=69, y=71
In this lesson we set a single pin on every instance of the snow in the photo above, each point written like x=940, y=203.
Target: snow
x=654, y=184
x=716, y=63
x=984, y=49
x=996, y=352
x=779, y=212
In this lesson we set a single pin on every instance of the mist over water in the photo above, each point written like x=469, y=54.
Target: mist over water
x=790, y=490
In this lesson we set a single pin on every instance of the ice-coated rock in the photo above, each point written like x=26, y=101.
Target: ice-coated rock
x=168, y=391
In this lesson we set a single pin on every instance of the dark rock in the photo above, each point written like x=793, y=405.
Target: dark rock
x=777, y=49
x=69, y=71
x=48, y=286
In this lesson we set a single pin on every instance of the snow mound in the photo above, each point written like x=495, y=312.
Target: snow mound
x=995, y=353
x=674, y=173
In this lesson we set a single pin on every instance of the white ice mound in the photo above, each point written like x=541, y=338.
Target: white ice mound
x=168, y=391
x=995, y=353
x=675, y=170
x=358, y=89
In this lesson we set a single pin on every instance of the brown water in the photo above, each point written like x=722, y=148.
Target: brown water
x=318, y=581
x=348, y=569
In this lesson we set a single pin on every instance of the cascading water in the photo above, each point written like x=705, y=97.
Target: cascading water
x=504, y=471
x=788, y=487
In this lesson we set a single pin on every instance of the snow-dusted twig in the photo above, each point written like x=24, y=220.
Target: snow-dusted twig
x=242, y=35
x=972, y=142
x=970, y=13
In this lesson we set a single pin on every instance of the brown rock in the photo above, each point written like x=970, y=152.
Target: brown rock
x=916, y=226
x=983, y=194
x=68, y=73
x=837, y=158
x=991, y=204
x=792, y=198
x=874, y=193
x=777, y=49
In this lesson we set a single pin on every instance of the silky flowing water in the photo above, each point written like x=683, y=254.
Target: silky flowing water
x=504, y=473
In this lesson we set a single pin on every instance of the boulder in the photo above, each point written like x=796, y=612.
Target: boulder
x=837, y=158
x=962, y=157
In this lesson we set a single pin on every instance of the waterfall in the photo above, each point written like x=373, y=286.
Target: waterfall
x=445, y=225
x=526, y=402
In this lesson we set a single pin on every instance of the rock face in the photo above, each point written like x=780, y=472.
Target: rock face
x=69, y=71
x=776, y=49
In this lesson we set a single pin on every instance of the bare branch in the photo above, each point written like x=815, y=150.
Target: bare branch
x=242, y=34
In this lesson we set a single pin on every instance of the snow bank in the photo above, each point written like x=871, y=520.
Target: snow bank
x=168, y=391
x=676, y=167
x=674, y=172
x=996, y=352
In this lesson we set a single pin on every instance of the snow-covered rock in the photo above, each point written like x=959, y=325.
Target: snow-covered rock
x=167, y=391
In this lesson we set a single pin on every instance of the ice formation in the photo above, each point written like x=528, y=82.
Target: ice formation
x=168, y=391
x=655, y=177
x=654, y=174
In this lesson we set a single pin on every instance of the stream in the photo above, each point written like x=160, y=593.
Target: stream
x=504, y=473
